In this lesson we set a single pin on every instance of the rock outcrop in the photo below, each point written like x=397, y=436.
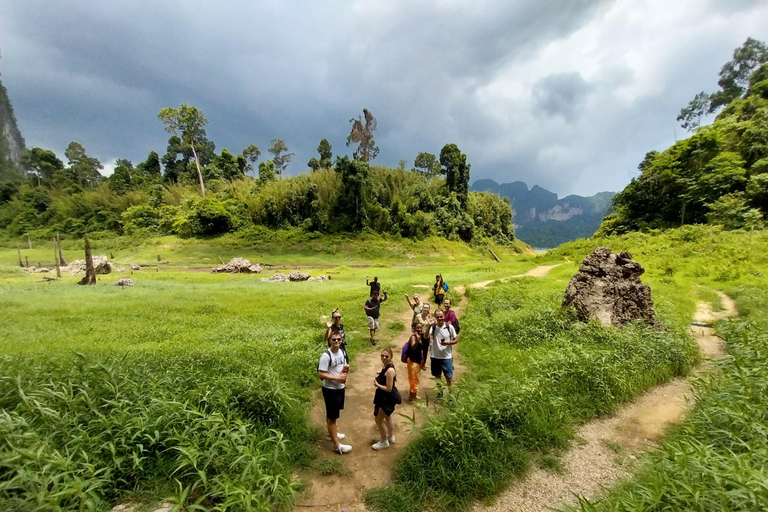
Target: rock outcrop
x=101, y=265
x=238, y=266
x=135, y=266
x=278, y=277
x=298, y=276
x=607, y=287
x=125, y=281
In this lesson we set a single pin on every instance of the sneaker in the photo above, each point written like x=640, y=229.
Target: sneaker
x=342, y=448
x=373, y=342
x=381, y=445
x=339, y=436
x=391, y=439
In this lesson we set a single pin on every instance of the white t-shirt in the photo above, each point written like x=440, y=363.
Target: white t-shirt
x=438, y=334
x=333, y=365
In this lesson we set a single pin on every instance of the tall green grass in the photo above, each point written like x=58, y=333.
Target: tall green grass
x=188, y=386
x=718, y=459
x=536, y=372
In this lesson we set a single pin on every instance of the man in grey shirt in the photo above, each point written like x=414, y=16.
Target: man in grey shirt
x=331, y=370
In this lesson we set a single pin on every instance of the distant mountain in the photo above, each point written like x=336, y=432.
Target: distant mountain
x=543, y=220
x=11, y=141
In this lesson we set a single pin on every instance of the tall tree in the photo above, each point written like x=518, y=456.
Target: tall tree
x=354, y=180
x=266, y=171
x=42, y=163
x=734, y=79
x=188, y=123
x=456, y=171
x=325, y=150
x=427, y=164
x=83, y=170
x=252, y=154
x=281, y=156
x=362, y=135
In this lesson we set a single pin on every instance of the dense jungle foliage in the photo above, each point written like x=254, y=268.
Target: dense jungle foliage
x=191, y=191
x=720, y=174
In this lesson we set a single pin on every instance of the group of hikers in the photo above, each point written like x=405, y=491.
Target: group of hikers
x=436, y=333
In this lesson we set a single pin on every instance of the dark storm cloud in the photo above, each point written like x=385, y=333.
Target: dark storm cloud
x=480, y=74
x=562, y=94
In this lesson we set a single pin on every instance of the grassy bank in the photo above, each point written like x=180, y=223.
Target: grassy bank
x=536, y=372
x=717, y=459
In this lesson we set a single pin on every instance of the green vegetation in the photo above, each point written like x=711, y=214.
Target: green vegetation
x=188, y=386
x=193, y=192
x=719, y=174
x=716, y=460
x=536, y=372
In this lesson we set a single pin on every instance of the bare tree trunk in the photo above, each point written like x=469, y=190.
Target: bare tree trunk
x=21, y=263
x=90, y=273
x=494, y=255
x=61, y=256
x=29, y=240
x=26, y=259
x=199, y=172
x=56, y=258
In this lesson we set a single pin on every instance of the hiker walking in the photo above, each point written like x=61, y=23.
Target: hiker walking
x=375, y=285
x=372, y=311
x=416, y=305
x=450, y=316
x=443, y=338
x=414, y=359
x=438, y=290
x=385, y=399
x=427, y=320
x=335, y=326
x=333, y=370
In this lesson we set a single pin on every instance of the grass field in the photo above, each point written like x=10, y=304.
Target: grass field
x=195, y=387
x=190, y=386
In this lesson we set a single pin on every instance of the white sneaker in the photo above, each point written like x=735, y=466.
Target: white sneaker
x=339, y=436
x=342, y=448
x=391, y=439
x=381, y=445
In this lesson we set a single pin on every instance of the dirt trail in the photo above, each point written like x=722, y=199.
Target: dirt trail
x=605, y=449
x=539, y=271
x=369, y=468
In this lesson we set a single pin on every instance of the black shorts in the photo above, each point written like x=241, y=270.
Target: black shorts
x=387, y=408
x=439, y=299
x=334, y=402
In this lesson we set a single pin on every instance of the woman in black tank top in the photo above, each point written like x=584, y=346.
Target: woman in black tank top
x=385, y=399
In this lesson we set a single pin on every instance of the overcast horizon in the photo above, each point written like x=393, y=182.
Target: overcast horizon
x=567, y=95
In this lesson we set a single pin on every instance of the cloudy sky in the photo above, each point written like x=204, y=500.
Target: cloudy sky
x=565, y=94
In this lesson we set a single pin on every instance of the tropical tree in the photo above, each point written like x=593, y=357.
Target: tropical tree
x=281, y=156
x=83, y=170
x=42, y=163
x=188, y=123
x=267, y=171
x=456, y=170
x=325, y=150
x=734, y=79
x=362, y=135
x=427, y=164
x=252, y=154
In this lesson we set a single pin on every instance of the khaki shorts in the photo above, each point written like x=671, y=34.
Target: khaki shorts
x=373, y=323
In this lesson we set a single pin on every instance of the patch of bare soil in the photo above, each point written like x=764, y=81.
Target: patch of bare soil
x=606, y=448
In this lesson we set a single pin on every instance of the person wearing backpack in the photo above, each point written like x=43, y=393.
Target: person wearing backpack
x=413, y=356
x=443, y=337
x=333, y=370
x=450, y=316
x=438, y=291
